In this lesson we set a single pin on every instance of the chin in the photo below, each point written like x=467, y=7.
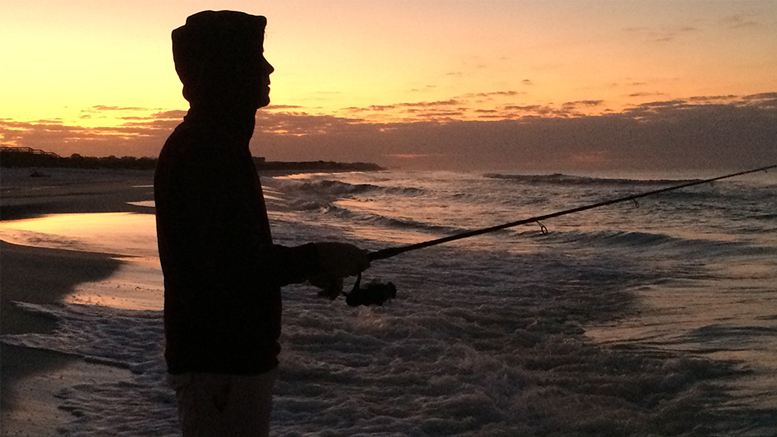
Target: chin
x=263, y=101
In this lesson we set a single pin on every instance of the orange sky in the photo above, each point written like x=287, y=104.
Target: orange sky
x=98, y=77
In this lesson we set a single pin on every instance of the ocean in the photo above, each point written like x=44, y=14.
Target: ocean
x=655, y=317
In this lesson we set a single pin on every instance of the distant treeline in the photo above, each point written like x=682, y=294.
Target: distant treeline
x=29, y=158
x=26, y=157
x=261, y=164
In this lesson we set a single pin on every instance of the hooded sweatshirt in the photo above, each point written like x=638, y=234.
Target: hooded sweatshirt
x=222, y=272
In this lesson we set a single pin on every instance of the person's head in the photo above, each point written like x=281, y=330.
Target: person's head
x=219, y=57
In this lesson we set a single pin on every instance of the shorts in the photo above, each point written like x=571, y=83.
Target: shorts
x=223, y=405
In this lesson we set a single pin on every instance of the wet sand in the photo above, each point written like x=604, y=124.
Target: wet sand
x=31, y=379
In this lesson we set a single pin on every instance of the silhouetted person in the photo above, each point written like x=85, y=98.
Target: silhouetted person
x=222, y=271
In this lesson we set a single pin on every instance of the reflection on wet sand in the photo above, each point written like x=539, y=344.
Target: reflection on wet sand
x=131, y=238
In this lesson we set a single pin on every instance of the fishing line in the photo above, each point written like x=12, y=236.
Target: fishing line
x=394, y=251
x=377, y=293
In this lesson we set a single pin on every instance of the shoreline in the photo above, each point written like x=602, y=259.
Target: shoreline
x=30, y=379
x=72, y=190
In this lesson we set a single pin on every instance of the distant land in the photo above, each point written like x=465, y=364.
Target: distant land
x=26, y=157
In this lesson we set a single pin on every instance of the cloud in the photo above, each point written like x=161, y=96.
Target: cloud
x=426, y=88
x=434, y=110
x=176, y=114
x=520, y=112
x=432, y=104
x=738, y=22
x=138, y=136
x=653, y=107
x=98, y=108
x=662, y=35
x=712, y=99
x=709, y=132
x=660, y=135
x=275, y=107
x=462, y=107
x=492, y=94
x=523, y=108
x=764, y=100
x=645, y=94
x=578, y=103
x=299, y=123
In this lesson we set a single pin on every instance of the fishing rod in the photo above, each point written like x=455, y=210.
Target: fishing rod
x=394, y=251
x=378, y=293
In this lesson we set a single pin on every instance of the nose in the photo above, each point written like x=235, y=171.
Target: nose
x=267, y=68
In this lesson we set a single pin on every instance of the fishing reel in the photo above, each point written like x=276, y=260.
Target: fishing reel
x=373, y=293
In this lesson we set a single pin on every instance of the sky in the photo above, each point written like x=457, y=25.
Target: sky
x=576, y=85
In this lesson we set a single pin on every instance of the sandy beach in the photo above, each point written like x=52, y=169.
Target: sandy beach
x=32, y=378
x=60, y=190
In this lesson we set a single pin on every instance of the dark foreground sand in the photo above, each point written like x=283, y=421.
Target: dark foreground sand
x=29, y=378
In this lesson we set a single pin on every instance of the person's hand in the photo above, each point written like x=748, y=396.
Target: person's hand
x=336, y=262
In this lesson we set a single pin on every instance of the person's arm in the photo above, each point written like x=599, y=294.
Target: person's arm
x=234, y=229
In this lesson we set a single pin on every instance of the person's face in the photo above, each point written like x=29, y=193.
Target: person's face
x=266, y=69
x=259, y=78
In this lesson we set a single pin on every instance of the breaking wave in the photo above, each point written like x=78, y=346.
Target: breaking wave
x=565, y=179
x=334, y=188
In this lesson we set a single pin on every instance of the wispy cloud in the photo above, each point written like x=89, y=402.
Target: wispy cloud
x=492, y=94
x=701, y=131
x=764, y=100
x=136, y=136
x=424, y=89
x=100, y=108
x=275, y=107
x=431, y=110
x=645, y=94
x=579, y=103
x=300, y=123
x=739, y=22
x=659, y=35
